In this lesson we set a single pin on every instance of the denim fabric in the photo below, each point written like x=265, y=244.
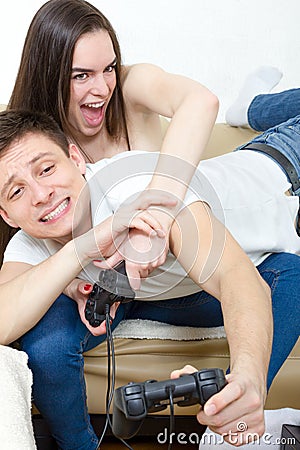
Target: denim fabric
x=286, y=139
x=56, y=344
x=268, y=110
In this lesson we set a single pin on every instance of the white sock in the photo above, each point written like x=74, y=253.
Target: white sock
x=262, y=81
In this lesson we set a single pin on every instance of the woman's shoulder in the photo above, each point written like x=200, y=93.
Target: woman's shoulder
x=137, y=75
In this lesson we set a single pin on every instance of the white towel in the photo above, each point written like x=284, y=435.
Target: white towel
x=16, y=431
x=150, y=329
x=271, y=438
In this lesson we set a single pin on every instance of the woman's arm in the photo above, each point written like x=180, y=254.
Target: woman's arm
x=192, y=110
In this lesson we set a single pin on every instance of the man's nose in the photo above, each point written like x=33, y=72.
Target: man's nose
x=41, y=193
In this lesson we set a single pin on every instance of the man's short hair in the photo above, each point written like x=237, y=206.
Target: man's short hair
x=15, y=124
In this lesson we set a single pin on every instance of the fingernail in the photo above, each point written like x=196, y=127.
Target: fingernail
x=87, y=287
x=161, y=233
x=210, y=410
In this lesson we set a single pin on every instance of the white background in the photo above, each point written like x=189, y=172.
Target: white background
x=217, y=42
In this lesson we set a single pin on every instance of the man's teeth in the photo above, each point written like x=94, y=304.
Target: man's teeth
x=94, y=105
x=56, y=211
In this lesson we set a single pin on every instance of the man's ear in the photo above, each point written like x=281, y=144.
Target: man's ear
x=77, y=158
x=6, y=219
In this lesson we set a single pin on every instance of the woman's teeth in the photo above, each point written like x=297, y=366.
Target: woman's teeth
x=94, y=105
x=56, y=211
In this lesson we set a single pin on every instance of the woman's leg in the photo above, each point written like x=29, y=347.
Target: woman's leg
x=55, y=347
x=261, y=81
x=268, y=110
x=286, y=139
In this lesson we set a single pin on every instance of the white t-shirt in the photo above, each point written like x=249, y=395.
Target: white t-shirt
x=245, y=190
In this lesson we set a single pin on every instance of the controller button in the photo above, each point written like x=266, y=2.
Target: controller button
x=135, y=407
x=207, y=374
x=130, y=390
x=209, y=390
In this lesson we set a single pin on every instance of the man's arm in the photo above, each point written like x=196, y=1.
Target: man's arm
x=221, y=268
x=27, y=292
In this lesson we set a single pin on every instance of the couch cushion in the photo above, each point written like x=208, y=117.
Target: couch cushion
x=140, y=360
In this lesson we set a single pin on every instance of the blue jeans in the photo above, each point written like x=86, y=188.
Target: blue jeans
x=268, y=110
x=56, y=344
x=286, y=139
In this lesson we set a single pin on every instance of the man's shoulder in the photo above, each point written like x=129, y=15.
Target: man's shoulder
x=24, y=248
x=102, y=164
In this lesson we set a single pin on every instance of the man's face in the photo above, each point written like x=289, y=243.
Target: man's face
x=39, y=187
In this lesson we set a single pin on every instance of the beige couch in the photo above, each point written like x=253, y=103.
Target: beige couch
x=144, y=359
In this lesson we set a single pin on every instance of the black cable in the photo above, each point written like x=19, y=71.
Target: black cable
x=170, y=390
x=108, y=346
x=111, y=376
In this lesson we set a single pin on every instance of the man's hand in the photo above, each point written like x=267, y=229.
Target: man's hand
x=237, y=411
x=79, y=291
x=105, y=239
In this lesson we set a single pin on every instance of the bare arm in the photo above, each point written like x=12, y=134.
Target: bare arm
x=226, y=272
x=192, y=109
x=27, y=292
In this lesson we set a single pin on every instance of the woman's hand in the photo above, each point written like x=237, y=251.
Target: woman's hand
x=79, y=291
x=105, y=239
x=142, y=254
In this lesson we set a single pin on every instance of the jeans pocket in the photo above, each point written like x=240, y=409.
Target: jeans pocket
x=271, y=277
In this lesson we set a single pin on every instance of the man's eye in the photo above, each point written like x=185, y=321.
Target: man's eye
x=48, y=169
x=15, y=193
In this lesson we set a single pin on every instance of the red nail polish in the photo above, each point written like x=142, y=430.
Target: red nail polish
x=87, y=287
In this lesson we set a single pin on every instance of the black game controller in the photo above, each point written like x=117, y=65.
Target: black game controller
x=113, y=286
x=134, y=401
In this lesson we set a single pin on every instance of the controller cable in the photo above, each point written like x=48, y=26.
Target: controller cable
x=111, y=376
x=170, y=390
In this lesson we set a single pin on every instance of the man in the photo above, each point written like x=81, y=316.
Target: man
x=43, y=191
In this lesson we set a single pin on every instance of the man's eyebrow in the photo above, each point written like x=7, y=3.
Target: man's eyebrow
x=6, y=185
x=13, y=176
x=85, y=69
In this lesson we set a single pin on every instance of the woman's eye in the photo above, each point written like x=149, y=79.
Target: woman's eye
x=81, y=76
x=110, y=68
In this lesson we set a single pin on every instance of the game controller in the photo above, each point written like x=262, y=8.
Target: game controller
x=134, y=401
x=113, y=286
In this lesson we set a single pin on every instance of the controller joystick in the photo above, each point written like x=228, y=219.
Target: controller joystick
x=134, y=401
x=113, y=286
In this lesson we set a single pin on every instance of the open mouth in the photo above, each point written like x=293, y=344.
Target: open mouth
x=93, y=112
x=56, y=212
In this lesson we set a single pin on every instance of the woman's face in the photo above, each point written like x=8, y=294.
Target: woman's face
x=93, y=81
